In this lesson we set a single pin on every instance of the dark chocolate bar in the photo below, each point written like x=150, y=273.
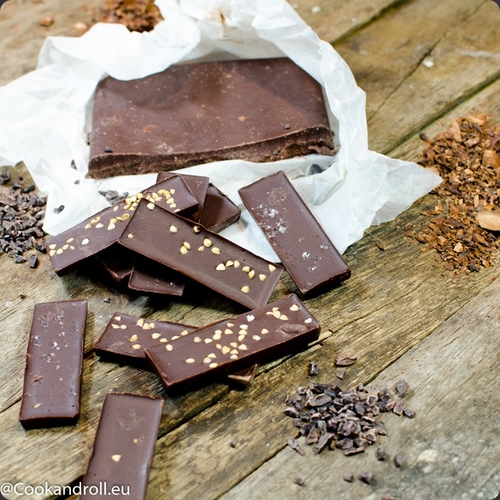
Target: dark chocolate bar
x=259, y=335
x=127, y=336
x=296, y=236
x=123, y=448
x=219, y=211
x=197, y=184
x=256, y=110
x=96, y=233
x=200, y=254
x=51, y=394
x=148, y=276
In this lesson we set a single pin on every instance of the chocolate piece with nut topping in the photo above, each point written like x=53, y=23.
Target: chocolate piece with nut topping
x=202, y=255
x=127, y=336
x=227, y=346
x=123, y=447
x=296, y=236
x=190, y=114
x=100, y=231
x=51, y=394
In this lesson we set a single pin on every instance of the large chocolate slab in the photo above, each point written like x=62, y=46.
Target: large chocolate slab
x=256, y=110
x=219, y=211
x=296, y=236
x=51, y=394
x=227, y=346
x=202, y=255
x=127, y=336
x=123, y=448
x=100, y=231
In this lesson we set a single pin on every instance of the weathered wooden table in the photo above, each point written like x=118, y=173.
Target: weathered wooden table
x=421, y=63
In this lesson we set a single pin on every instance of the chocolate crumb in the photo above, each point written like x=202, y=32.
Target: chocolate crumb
x=366, y=477
x=108, y=150
x=343, y=360
x=313, y=369
x=349, y=477
x=107, y=300
x=233, y=443
x=399, y=459
x=59, y=209
x=299, y=481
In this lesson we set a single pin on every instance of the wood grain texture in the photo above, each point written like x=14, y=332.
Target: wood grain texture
x=464, y=61
x=383, y=55
x=401, y=314
x=448, y=446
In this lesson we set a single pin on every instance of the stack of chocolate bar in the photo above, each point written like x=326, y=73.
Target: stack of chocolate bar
x=157, y=239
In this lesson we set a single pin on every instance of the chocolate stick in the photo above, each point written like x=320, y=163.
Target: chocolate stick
x=296, y=236
x=52, y=378
x=227, y=346
x=123, y=448
x=200, y=254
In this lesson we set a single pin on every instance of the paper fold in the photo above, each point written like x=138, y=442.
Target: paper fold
x=46, y=117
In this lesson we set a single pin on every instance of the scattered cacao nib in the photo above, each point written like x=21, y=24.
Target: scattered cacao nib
x=343, y=360
x=313, y=369
x=294, y=445
x=59, y=209
x=408, y=413
x=107, y=300
x=349, y=477
x=300, y=481
x=113, y=196
x=399, y=459
x=402, y=387
x=329, y=417
x=341, y=373
x=366, y=477
x=33, y=261
x=380, y=453
x=233, y=443
x=387, y=497
x=21, y=218
x=467, y=157
x=136, y=15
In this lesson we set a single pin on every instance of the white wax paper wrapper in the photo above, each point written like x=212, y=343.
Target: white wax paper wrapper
x=46, y=117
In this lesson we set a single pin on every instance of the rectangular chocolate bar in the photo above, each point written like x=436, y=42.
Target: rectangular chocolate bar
x=200, y=254
x=256, y=110
x=197, y=184
x=86, y=239
x=51, y=394
x=123, y=447
x=296, y=236
x=227, y=346
x=127, y=336
x=219, y=211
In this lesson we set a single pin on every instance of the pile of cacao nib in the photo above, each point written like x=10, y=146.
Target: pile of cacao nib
x=21, y=218
x=464, y=223
x=329, y=417
x=136, y=15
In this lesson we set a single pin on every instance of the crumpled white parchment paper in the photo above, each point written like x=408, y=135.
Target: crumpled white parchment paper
x=45, y=118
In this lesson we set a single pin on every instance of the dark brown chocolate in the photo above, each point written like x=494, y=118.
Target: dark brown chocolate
x=123, y=448
x=219, y=211
x=197, y=184
x=51, y=394
x=148, y=276
x=296, y=236
x=99, y=232
x=202, y=255
x=256, y=110
x=127, y=336
x=259, y=335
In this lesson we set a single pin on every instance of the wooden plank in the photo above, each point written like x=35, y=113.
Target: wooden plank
x=450, y=447
x=378, y=336
x=336, y=19
x=70, y=446
x=23, y=35
x=464, y=61
x=383, y=55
